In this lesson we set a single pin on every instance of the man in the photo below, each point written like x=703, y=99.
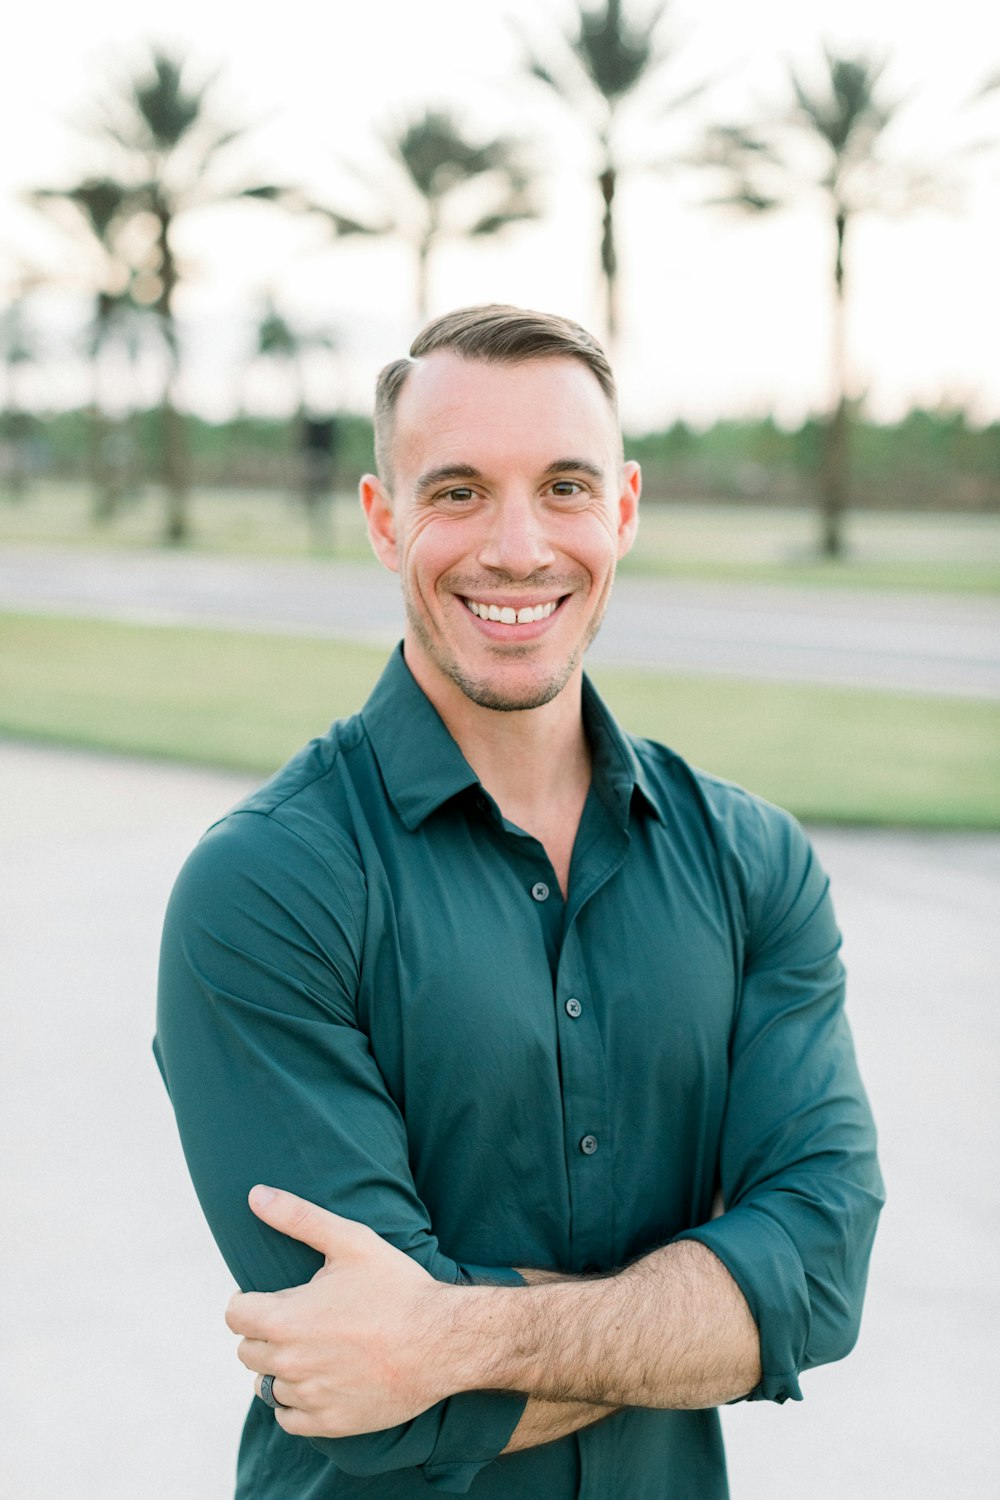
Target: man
x=506, y=1005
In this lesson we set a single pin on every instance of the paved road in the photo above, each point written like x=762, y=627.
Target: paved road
x=120, y=1378
x=921, y=643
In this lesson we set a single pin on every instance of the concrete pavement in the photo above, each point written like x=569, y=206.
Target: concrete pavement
x=120, y=1378
x=904, y=642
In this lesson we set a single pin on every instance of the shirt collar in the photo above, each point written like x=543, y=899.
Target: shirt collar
x=619, y=775
x=422, y=766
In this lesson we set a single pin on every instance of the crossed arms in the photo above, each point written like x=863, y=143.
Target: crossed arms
x=270, y=1075
x=373, y=1340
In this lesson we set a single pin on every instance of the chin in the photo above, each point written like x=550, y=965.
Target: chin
x=506, y=696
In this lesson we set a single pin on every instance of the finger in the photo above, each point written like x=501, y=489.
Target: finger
x=256, y=1354
x=299, y=1423
x=251, y=1313
x=281, y=1392
x=302, y=1220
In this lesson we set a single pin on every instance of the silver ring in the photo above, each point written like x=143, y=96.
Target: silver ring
x=266, y=1394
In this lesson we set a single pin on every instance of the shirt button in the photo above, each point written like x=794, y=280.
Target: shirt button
x=540, y=891
x=588, y=1145
x=573, y=1008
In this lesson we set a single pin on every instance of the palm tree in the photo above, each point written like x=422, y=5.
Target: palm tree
x=434, y=183
x=830, y=140
x=598, y=68
x=97, y=212
x=287, y=349
x=163, y=143
x=17, y=353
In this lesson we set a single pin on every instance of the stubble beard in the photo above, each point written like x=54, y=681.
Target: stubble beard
x=482, y=691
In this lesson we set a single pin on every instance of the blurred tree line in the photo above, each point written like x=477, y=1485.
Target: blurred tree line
x=163, y=151
x=927, y=461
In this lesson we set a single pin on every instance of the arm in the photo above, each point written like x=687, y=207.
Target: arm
x=545, y=1421
x=798, y=1170
x=774, y=1285
x=372, y=1340
x=270, y=1077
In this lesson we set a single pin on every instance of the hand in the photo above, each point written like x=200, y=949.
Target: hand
x=352, y=1350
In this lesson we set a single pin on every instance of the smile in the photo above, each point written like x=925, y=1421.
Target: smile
x=509, y=616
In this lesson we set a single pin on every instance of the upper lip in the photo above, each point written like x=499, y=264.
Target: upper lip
x=514, y=601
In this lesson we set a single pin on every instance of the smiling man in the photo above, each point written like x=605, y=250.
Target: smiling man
x=535, y=1033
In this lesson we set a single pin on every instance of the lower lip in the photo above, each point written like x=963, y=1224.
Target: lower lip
x=513, y=635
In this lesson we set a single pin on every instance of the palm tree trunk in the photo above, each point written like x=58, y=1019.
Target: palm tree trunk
x=836, y=445
x=106, y=496
x=608, y=182
x=175, y=475
x=423, y=279
x=176, y=481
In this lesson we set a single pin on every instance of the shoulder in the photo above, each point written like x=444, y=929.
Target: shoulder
x=764, y=854
x=286, y=848
x=739, y=820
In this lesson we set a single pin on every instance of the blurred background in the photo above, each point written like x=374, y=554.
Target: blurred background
x=784, y=222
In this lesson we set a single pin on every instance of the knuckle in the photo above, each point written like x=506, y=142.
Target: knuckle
x=300, y=1215
x=285, y=1365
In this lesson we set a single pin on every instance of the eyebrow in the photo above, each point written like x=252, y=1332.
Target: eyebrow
x=575, y=466
x=432, y=477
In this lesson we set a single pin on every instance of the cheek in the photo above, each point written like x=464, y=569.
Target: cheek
x=428, y=556
x=593, y=542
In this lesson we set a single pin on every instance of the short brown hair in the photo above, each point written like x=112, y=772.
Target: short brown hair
x=493, y=334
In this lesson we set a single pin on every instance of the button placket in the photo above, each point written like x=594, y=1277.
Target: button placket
x=586, y=1113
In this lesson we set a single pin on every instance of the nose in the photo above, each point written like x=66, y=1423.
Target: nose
x=515, y=541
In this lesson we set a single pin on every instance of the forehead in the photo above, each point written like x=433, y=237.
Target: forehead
x=454, y=410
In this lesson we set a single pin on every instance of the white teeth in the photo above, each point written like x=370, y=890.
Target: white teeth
x=506, y=615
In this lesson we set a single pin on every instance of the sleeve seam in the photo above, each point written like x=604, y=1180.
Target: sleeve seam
x=271, y=816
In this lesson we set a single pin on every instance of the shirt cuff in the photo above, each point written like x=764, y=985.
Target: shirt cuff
x=475, y=1428
x=491, y=1275
x=767, y=1268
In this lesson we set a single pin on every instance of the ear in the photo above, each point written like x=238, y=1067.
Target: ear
x=628, y=506
x=376, y=502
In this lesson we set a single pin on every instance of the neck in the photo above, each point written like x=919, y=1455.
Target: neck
x=535, y=763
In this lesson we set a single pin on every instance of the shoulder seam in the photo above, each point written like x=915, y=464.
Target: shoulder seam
x=271, y=815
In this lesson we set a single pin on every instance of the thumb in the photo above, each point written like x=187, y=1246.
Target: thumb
x=301, y=1220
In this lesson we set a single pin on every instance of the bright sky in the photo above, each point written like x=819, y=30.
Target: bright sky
x=721, y=316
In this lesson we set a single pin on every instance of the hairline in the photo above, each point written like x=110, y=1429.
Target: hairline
x=483, y=329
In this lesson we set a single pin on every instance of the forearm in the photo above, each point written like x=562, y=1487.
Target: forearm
x=672, y=1330
x=545, y=1421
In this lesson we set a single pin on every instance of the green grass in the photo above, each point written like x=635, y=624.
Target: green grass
x=737, y=542
x=245, y=701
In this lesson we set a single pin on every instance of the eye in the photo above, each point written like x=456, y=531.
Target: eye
x=565, y=489
x=461, y=494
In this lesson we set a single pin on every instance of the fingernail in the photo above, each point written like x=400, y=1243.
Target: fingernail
x=261, y=1196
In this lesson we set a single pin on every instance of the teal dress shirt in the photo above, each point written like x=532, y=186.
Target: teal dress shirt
x=373, y=994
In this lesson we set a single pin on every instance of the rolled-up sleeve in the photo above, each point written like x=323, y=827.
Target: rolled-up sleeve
x=799, y=1176
x=272, y=1080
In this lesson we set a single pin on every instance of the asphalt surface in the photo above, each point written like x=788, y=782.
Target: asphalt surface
x=902, y=642
x=120, y=1381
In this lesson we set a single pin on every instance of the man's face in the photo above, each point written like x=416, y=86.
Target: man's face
x=511, y=508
